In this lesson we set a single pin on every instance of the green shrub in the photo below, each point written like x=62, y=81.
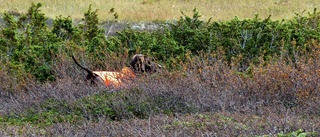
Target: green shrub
x=27, y=40
x=63, y=28
x=191, y=32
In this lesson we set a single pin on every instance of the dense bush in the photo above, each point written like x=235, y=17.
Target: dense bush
x=29, y=44
x=244, y=40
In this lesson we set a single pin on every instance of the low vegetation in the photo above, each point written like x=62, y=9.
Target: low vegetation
x=250, y=77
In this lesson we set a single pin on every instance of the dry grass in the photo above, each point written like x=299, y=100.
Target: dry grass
x=149, y=10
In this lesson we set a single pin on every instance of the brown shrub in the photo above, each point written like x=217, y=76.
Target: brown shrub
x=265, y=99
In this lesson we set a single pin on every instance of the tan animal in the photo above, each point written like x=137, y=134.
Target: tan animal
x=139, y=63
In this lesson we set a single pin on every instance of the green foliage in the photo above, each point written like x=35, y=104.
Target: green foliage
x=250, y=39
x=190, y=33
x=63, y=28
x=91, y=28
x=158, y=45
x=28, y=42
x=94, y=38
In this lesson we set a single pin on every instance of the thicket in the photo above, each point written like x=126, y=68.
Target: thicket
x=28, y=45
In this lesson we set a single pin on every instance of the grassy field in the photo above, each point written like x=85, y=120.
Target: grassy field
x=150, y=10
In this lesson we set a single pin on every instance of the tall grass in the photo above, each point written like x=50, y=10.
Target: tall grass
x=150, y=10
